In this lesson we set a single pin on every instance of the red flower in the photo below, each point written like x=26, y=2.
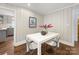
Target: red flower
x=50, y=26
x=46, y=26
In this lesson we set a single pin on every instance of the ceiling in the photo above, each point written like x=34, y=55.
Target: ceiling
x=43, y=8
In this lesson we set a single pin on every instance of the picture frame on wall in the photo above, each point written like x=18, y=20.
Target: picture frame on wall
x=32, y=22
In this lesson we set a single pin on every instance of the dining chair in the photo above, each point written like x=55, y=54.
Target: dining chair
x=53, y=42
x=32, y=46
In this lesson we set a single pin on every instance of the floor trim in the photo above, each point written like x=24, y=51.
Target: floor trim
x=19, y=43
x=67, y=43
x=61, y=41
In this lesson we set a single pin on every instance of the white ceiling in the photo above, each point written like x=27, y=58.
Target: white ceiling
x=43, y=8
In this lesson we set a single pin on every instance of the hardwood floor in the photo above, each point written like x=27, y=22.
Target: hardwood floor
x=48, y=50
x=7, y=46
x=20, y=50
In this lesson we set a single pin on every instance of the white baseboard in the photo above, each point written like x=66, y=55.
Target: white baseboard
x=67, y=43
x=19, y=43
x=61, y=41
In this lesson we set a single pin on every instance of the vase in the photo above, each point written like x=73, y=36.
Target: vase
x=43, y=32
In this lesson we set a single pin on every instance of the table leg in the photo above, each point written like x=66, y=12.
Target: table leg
x=58, y=44
x=27, y=46
x=39, y=49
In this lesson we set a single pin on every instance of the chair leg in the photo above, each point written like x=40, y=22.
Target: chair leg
x=32, y=52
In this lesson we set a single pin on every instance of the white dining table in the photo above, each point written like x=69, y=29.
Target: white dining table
x=39, y=39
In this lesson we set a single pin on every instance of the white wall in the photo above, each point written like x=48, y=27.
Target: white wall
x=22, y=23
x=62, y=21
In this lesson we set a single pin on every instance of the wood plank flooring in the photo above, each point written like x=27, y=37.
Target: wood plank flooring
x=20, y=50
x=8, y=48
x=48, y=50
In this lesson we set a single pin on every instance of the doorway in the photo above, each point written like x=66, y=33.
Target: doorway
x=78, y=29
x=7, y=31
x=6, y=35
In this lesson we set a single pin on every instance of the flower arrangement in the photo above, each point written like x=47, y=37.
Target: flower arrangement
x=45, y=26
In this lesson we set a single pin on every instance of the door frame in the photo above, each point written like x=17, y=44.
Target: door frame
x=13, y=14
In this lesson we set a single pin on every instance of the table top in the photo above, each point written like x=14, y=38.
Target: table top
x=37, y=37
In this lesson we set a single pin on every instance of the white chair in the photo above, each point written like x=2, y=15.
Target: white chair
x=31, y=46
x=53, y=42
